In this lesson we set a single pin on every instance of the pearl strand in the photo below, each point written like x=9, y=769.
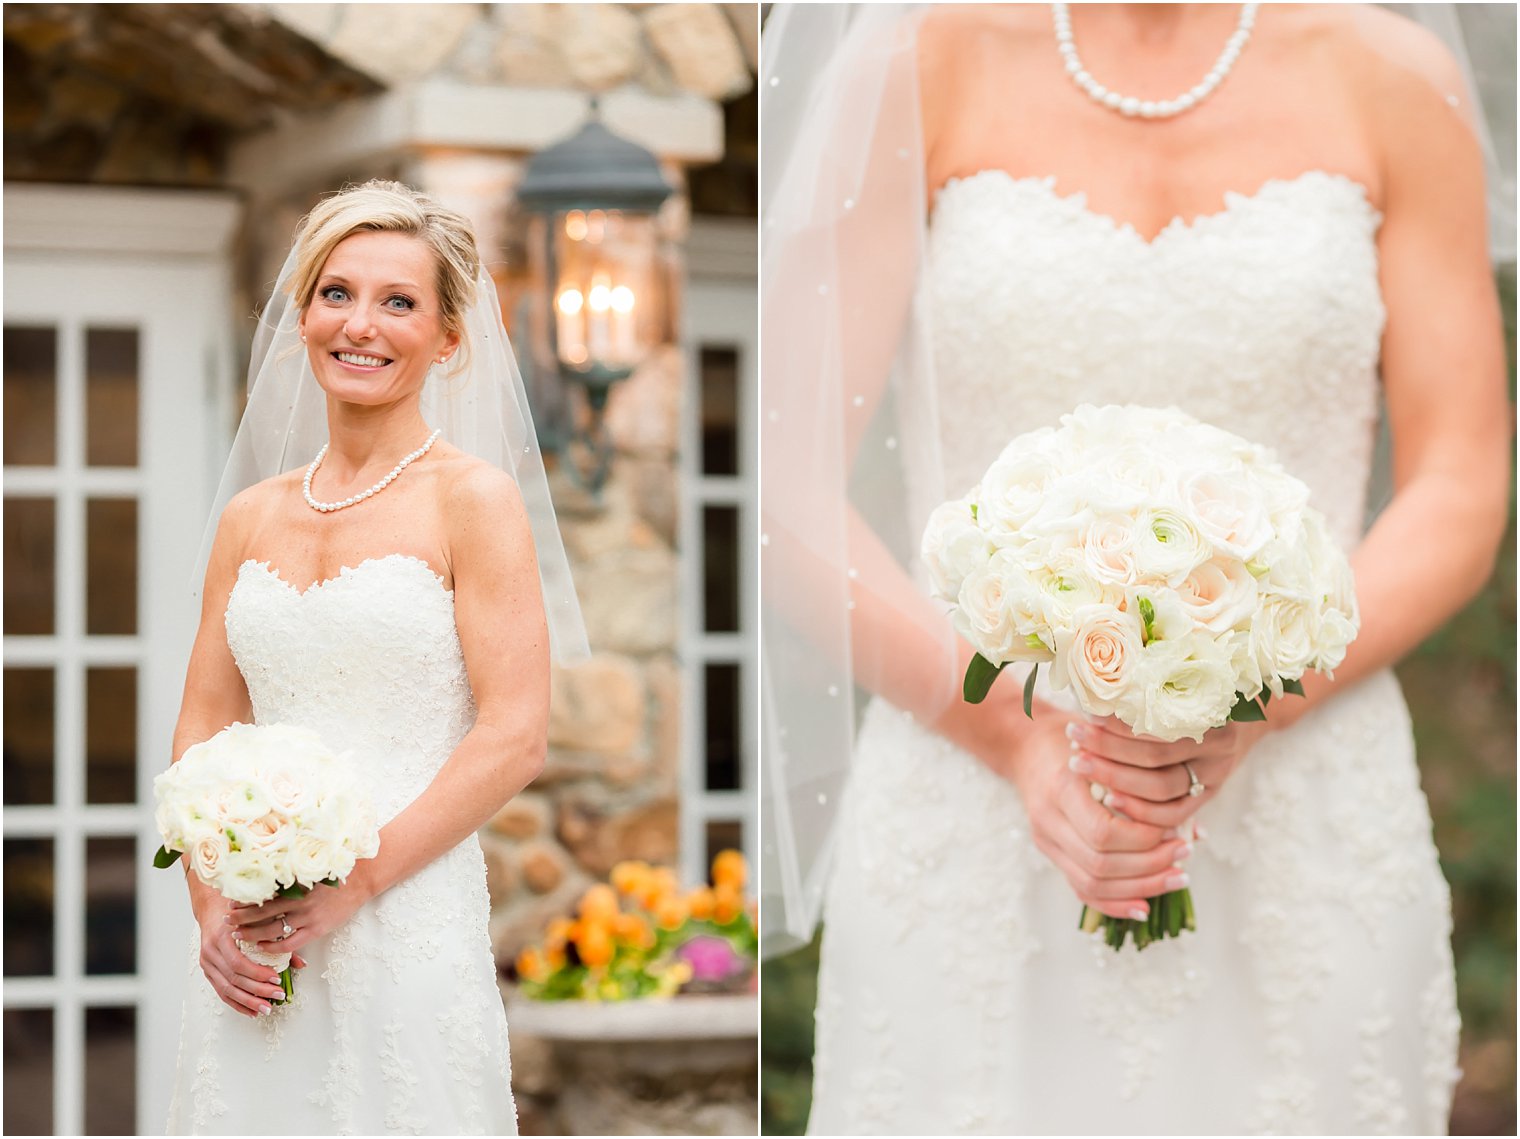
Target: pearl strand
x=1128, y=105
x=374, y=490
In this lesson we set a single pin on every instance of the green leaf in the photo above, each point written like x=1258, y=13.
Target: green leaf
x=1029, y=692
x=973, y=512
x=1294, y=686
x=1247, y=710
x=980, y=674
x=166, y=858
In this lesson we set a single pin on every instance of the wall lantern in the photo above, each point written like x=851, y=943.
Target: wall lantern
x=597, y=306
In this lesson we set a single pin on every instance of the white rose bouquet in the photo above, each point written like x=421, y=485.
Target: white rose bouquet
x=264, y=811
x=1169, y=573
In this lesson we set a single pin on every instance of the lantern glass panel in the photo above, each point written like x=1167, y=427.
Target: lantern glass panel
x=603, y=289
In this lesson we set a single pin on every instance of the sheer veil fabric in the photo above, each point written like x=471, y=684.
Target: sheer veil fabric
x=849, y=408
x=478, y=401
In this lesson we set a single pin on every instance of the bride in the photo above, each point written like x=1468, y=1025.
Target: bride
x=389, y=596
x=1272, y=218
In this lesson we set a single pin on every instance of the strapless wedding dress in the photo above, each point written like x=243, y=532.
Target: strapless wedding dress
x=397, y=1026
x=1317, y=996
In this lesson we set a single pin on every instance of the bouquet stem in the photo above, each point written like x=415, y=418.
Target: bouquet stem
x=1170, y=914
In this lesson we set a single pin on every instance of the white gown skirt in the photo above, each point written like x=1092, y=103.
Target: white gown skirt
x=956, y=994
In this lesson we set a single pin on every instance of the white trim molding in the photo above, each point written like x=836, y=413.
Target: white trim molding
x=442, y=113
x=108, y=219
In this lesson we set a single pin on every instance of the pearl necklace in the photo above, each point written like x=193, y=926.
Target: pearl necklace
x=1128, y=105
x=376, y=489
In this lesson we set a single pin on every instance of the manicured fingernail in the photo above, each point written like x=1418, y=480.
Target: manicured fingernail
x=1200, y=830
x=1171, y=832
x=1185, y=851
x=1080, y=763
x=1113, y=802
x=1176, y=882
x=1098, y=791
x=264, y=1010
x=1139, y=915
x=1071, y=731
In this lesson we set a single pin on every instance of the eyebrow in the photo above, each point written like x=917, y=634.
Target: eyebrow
x=342, y=280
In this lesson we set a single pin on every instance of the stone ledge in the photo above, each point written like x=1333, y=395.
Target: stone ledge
x=726, y=1017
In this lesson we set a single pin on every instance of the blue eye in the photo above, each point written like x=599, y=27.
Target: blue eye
x=327, y=293
x=406, y=302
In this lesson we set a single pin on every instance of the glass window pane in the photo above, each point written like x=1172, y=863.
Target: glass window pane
x=31, y=396
x=110, y=735
x=29, y=564
x=723, y=834
x=111, y=554
x=28, y=907
x=719, y=368
x=29, y=1071
x=721, y=713
x=110, y=905
x=720, y=569
x=110, y=1071
x=28, y=736
x=110, y=361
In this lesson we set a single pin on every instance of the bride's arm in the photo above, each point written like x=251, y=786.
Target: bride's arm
x=899, y=641
x=499, y=612
x=1443, y=368
x=214, y=697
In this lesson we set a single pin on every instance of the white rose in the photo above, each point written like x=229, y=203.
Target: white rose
x=288, y=795
x=312, y=859
x=1228, y=511
x=1219, y=594
x=953, y=546
x=1012, y=491
x=1181, y=687
x=984, y=616
x=249, y=877
x=1096, y=656
x=208, y=856
x=1108, y=549
x=1282, y=639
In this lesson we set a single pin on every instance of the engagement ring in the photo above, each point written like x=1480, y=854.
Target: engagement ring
x=1195, y=785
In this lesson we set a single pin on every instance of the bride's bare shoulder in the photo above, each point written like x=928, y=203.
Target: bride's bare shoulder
x=1378, y=49
x=948, y=34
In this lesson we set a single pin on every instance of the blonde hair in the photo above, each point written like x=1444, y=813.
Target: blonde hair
x=380, y=206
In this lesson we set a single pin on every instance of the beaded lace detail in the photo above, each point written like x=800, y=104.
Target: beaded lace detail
x=1317, y=995
x=397, y=1026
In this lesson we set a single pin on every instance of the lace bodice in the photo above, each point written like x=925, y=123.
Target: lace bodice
x=1263, y=318
x=370, y=660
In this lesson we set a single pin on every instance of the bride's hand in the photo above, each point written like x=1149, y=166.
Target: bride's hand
x=1147, y=779
x=322, y=910
x=1113, y=864
x=243, y=985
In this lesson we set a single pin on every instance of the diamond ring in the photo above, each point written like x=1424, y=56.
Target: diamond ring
x=287, y=929
x=1195, y=785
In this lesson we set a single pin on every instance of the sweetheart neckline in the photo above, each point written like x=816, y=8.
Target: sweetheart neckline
x=1233, y=199
x=345, y=572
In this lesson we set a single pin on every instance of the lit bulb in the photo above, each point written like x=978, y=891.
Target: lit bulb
x=575, y=225
x=622, y=299
x=570, y=302
x=600, y=298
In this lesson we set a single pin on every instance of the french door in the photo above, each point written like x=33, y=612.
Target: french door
x=116, y=361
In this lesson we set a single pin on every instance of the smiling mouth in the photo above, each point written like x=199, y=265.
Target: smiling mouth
x=360, y=359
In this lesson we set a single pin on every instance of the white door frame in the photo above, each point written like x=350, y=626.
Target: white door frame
x=719, y=307
x=158, y=261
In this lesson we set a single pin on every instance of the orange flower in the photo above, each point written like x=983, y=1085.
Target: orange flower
x=555, y=958
x=727, y=902
x=627, y=877
x=660, y=884
x=633, y=930
x=530, y=965
x=594, y=945
x=670, y=912
x=700, y=902
x=599, y=904
x=559, y=932
x=730, y=869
